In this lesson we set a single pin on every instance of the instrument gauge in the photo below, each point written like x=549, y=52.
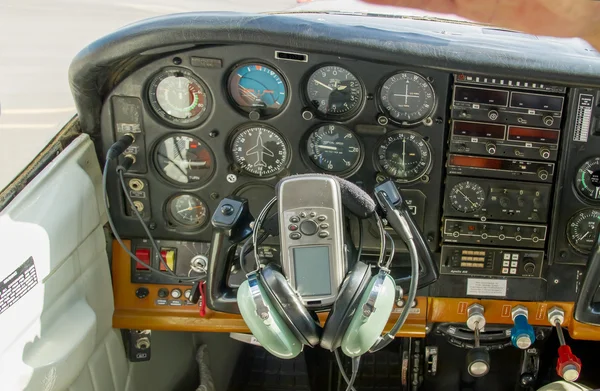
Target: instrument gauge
x=405, y=156
x=407, y=97
x=187, y=210
x=334, y=91
x=179, y=97
x=587, y=180
x=467, y=197
x=257, y=88
x=259, y=151
x=184, y=159
x=582, y=228
x=334, y=148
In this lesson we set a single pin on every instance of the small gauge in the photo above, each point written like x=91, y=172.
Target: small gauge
x=334, y=148
x=184, y=159
x=259, y=88
x=259, y=151
x=334, y=91
x=187, y=210
x=407, y=97
x=581, y=230
x=467, y=196
x=587, y=180
x=179, y=97
x=405, y=156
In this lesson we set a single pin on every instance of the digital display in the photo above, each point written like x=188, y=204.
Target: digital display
x=477, y=129
x=482, y=96
x=536, y=102
x=311, y=270
x=533, y=134
x=476, y=162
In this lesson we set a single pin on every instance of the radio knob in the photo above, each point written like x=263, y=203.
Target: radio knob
x=535, y=216
x=493, y=115
x=537, y=202
x=521, y=202
x=542, y=174
x=461, y=147
x=529, y=268
x=464, y=113
x=545, y=153
x=504, y=202
x=548, y=120
x=490, y=148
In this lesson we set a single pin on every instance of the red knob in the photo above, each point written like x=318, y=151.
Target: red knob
x=568, y=365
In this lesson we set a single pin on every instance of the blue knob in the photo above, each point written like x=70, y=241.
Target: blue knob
x=522, y=334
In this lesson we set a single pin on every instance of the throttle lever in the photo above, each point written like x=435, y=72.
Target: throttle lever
x=231, y=225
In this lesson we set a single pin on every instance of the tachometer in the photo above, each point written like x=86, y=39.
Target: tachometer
x=257, y=88
x=587, y=180
x=187, y=210
x=581, y=230
x=184, y=159
x=405, y=156
x=259, y=150
x=407, y=97
x=179, y=97
x=333, y=148
x=467, y=196
x=334, y=91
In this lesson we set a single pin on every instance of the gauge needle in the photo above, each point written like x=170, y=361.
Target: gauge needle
x=324, y=85
x=190, y=208
x=467, y=198
x=404, y=154
x=586, y=234
x=191, y=164
x=342, y=87
x=246, y=91
x=331, y=148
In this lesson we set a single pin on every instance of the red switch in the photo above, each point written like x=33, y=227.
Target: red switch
x=143, y=254
x=568, y=365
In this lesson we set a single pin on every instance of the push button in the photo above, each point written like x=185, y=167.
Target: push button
x=324, y=226
x=293, y=227
x=143, y=254
x=322, y=218
x=163, y=292
x=323, y=234
x=295, y=235
x=309, y=227
x=294, y=219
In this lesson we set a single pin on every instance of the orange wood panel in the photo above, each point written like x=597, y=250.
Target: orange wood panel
x=134, y=313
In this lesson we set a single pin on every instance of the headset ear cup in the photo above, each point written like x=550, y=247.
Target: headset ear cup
x=272, y=333
x=364, y=331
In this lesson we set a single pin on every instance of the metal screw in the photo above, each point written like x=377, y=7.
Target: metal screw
x=439, y=120
x=177, y=61
x=213, y=133
x=556, y=281
x=382, y=120
x=152, y=225
x=231, y=178
x=214, y=196
x=227, y=210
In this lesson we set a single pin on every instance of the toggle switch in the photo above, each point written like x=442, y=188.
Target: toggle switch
x=168, y=255
x=143, y=254
x=522, y=334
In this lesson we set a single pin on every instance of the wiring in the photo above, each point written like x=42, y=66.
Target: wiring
x=338, y=359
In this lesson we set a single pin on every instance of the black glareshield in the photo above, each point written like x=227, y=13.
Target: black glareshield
x=231, y=225
x=587, y=306
x=392, y=207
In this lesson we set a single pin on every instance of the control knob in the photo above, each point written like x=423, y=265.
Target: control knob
x=490, y=148
x=543, y=174
x=504, y=202
x=548, y=120
x=493, y=115
x=529, y=267
x=545, y=153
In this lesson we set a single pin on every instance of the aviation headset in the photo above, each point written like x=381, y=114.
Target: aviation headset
x=282, y=324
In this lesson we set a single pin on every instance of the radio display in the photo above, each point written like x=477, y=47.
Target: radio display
x=476, y=162
x=532, y=134
x=536, y=102
x=481, y=96
x=478, y=129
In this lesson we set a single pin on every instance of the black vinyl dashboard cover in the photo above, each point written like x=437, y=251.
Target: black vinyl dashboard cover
x=103, y=64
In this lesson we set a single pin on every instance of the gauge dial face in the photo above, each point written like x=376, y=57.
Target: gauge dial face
x=334, y=148
x=587, y=180
x=184, y=159
x=259, y=151
x=405, y=156
x=581, y=230
x=187, y=210
x=257, y=87
x=467, y=197
x=179, y=97
x=334, y=91
x=407, y=97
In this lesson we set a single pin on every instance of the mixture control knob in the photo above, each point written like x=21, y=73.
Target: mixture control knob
x=548, y=120
x=522, y=334
x=543, y=174
x=568, y=365
x=490, y=148
x=545, y=153
x=493, y=115
x=504, y=202
x=529, y=267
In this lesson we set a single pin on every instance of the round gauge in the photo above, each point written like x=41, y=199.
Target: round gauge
x=179, y=97
x=405, y=156
x=581, y=230
x=184, y=159
x=187, y=210
x=407, y=97
x=334, y=91
x=587, y=180
x=467, y=196
x=333, y=148
x=259, y=88
x=259, y=151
